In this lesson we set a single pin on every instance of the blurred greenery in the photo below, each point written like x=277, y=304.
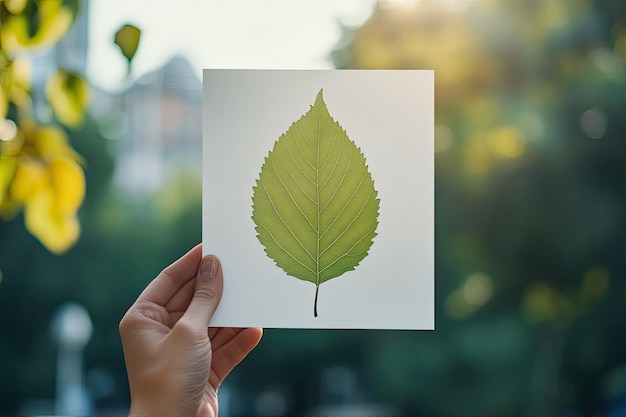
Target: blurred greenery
x=124, y=245
x=530, y=232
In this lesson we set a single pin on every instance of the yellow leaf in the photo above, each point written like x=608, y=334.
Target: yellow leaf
x=8, y=165
x=15, y=6
x=21, y=72
x=30, y=177
x=4, y=102
x=68, y=95
x=12, y=34
x=8, y=207
x=51, y=142
x=67, y=182
x=20, y=76
x=54, y=21
x=55, y=231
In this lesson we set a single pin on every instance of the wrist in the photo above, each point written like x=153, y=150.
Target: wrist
x=149, y=411
x=152, y=405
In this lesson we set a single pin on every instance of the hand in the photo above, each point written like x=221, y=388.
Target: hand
x=175, y=362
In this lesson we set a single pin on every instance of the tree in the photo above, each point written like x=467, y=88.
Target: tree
x=41, y=174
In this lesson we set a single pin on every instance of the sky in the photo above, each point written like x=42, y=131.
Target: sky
x=254, y=34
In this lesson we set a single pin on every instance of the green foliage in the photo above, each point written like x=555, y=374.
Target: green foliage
x=314, y=203
x=529, y=198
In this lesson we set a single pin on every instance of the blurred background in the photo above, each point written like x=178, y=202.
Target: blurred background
x=100, y=174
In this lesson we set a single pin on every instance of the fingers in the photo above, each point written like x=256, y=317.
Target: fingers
x=207, y=293
x=187, y=265
x=232, y=351
x=221, y=335
x=173, y=278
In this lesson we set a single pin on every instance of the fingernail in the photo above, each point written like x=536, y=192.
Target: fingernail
x=208, y=268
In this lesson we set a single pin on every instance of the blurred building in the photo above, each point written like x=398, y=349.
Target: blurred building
x=161, y=128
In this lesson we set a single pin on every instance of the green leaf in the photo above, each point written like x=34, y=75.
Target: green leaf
x=127, y=38
x=314, y=204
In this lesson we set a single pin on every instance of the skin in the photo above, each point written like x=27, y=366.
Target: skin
x=175, y=362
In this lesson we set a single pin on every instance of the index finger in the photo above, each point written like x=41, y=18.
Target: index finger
x=173, y=278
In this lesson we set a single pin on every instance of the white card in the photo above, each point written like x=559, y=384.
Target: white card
x=324, y=250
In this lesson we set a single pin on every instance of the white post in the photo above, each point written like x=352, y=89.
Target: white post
x=71, y=330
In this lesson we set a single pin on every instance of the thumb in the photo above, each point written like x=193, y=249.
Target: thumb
x=207, y=293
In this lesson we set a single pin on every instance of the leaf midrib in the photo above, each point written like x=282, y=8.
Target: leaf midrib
x=317, y=190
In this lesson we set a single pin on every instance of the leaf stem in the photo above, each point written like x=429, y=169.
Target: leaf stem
x=317, y=287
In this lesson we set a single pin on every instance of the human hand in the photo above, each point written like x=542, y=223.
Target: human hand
x=176, y=363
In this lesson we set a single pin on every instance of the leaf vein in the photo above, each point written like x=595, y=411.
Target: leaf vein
x=293, y=200
x=297, y=164
x=334, y=166
x=344, y=209
x=292, y=177
x=350, y=250
x=285, y=223
x=285, y=250
x=343, y=178
x=329, y=152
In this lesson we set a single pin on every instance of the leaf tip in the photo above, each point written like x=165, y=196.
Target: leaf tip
x=320, y=97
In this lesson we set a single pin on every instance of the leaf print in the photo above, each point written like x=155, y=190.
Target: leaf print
x=314, y=204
